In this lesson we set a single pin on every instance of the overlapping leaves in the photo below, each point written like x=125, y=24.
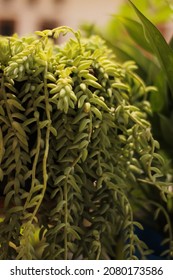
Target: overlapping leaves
x=74, y=140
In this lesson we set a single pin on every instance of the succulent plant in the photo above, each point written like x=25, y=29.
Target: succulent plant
x=76, y=151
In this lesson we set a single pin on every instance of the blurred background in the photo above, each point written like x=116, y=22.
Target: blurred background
x=26, y=16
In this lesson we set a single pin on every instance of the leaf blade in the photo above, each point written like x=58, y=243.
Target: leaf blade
x=162, y=50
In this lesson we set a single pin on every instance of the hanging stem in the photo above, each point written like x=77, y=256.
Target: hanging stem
x=46, y=152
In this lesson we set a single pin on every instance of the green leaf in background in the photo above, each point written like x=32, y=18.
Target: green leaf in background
x=159, y=45
x=159, y=99
x=136, y=31
x=171, y=43
x=166, y=126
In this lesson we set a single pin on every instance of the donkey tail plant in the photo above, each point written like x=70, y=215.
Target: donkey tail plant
x=76, y=150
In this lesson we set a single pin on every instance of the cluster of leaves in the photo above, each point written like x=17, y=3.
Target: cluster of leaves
x=140, y=40
x=75, y=149
x=161, y=64
x=144, y=43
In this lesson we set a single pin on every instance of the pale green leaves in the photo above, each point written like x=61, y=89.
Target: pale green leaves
x=74, y=143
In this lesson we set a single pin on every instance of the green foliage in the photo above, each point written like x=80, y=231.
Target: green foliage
x=162, y=101
x=76, y=151
x=159, y=11
x=159, y=46
x=132, y=36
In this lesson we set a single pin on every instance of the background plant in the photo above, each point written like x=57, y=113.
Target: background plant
x=76, y=151
x=142, y=41
x=144, y=50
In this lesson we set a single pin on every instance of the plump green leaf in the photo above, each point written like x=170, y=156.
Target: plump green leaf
x=8, y=198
